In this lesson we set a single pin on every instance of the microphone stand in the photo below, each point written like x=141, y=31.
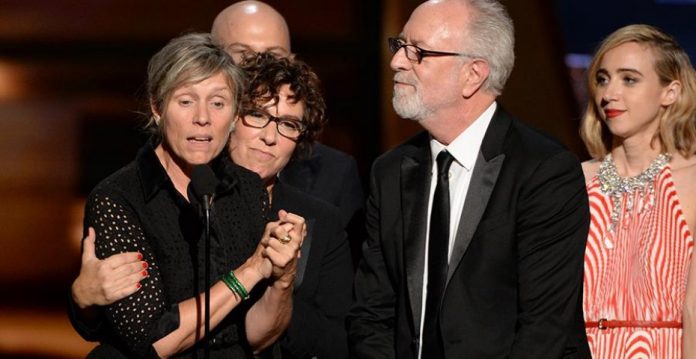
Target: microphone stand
x=206, y=334
x=202, y=186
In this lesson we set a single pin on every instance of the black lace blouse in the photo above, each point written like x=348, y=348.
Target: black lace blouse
x=138, y=209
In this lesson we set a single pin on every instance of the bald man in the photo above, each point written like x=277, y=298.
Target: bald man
x=249, y=27
x=245, y=28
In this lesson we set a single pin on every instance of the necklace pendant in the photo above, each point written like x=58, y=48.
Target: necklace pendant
x=629, y=204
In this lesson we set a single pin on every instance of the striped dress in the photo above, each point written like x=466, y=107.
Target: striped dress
x=637, y=272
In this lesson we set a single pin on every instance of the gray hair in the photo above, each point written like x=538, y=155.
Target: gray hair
x=491, y=35
x=184, y=60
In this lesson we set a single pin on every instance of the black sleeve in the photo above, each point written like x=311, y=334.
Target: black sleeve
x=352, y=199
x=318, y=328
x=142, y=318
x=89, y=329
x=551, y=236
x=371, y=318
x=352, y=206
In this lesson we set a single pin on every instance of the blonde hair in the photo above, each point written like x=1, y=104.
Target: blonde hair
x=677, y=128
x=190, y=58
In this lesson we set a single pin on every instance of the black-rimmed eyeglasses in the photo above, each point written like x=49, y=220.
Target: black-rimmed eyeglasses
x=291, y=128
x=416, y=54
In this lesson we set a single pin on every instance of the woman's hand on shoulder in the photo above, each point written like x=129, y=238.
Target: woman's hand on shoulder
x=104, y=281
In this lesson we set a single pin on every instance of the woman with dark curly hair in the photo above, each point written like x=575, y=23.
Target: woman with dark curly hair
x=282, y=113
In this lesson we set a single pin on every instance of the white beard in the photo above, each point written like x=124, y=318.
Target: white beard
x=408, y=103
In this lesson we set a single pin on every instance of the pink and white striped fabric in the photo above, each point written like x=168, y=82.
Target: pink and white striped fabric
x=637, y=272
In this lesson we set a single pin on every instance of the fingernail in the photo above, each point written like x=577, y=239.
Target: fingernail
x=140, y=256
x=144, y=273
x=144, y=265
x=138, y=285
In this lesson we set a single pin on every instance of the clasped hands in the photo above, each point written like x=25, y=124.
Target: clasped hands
x=276, y=256
x=102, y=282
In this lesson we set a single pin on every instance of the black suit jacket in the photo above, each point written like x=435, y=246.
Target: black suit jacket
x=329, y=175
x=514, y=283
x=324, y=279
x=332, y=176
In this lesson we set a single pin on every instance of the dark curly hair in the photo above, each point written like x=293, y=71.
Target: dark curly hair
x=267, y=73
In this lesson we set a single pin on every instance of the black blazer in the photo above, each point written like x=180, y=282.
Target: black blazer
x=324, y=279
x=329, y=175
x=332, y=176
x=514, y=283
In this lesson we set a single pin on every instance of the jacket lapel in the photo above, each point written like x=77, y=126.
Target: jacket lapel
x=480, y=188
x=306, y=248
x=415, y=178
x=486, y=170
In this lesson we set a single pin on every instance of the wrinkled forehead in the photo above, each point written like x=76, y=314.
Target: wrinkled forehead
x=258, y=34
x=436, y=25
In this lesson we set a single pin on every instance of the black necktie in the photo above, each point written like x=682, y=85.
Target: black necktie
x=438, y=246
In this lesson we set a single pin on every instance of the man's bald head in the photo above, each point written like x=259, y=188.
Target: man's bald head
x=251, y=26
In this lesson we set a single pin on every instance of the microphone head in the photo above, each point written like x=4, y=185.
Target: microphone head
x=203, y=183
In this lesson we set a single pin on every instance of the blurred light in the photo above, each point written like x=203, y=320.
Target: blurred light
x=11, y=81
x=75, y=228
x=578, y=61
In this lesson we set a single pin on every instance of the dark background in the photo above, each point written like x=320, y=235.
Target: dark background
x=71, y=88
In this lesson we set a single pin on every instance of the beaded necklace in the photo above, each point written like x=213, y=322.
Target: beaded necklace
x=615, y=186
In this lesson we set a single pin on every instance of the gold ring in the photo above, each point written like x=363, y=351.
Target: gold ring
x=285, y=239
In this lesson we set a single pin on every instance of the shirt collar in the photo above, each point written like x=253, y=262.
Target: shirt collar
x=154, y=177
x=466, y=146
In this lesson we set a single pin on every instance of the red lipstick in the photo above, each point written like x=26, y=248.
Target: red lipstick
x=611, y=113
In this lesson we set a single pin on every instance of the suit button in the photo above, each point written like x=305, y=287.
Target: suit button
x=415, y=341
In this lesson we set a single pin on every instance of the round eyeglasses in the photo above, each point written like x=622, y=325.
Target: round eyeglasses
x=289, y=127
x=415, y=54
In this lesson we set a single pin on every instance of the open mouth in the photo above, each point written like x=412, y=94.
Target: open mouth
x=200, y=139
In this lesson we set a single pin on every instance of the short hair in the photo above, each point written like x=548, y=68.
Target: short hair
x=491, y=35
x=267, y=73
x=188, y=59
x=677, y=127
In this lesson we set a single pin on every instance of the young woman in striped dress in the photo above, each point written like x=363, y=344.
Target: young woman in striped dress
x=640, y=128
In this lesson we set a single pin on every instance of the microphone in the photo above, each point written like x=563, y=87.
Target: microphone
x=201, y=191
x=202, y=187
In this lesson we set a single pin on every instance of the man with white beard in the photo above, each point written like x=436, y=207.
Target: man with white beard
x=477, y=226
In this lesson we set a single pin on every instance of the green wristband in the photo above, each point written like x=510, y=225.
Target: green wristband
x=235, y=285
